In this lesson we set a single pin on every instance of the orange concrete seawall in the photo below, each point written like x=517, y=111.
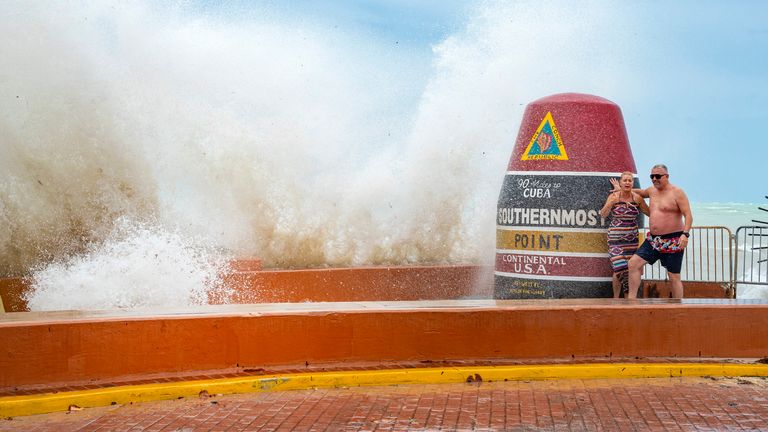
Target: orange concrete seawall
x=249, y=285
x=77, y=347
x=400, y=283
x=11, y=293
x=361, y=284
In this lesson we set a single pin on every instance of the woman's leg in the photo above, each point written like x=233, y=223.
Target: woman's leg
x=624, y=282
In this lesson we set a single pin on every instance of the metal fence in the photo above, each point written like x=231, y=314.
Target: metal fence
x=714, y=254
x=751, y=263
x=708, y=257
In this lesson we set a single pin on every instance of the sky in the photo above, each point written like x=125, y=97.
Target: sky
x=689, y=76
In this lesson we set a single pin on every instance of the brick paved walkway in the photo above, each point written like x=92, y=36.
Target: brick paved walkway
x=680, y=404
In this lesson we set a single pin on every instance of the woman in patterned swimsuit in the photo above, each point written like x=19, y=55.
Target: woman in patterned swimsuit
x=624, y=206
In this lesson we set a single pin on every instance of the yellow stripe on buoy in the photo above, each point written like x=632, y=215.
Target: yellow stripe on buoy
x=562, y=240
x=12, y=406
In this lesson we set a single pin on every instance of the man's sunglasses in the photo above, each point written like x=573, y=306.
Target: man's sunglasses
x=657, y=176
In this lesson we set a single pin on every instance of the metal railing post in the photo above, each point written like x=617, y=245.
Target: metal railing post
x=758, y=272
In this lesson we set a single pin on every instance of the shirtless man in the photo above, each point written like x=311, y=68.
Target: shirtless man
x=668, y=234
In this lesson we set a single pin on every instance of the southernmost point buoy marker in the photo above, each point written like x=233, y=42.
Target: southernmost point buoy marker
x=550, y=238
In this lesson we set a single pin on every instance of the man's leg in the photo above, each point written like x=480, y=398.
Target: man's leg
x=636, y=265
x=674, y=263
x=676, y=284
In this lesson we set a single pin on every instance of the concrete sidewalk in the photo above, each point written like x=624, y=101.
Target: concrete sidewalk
x=685, y=404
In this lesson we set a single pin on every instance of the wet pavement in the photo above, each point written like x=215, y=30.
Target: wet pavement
x=648, y=404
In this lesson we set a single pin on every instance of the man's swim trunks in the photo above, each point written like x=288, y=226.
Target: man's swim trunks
x=665, y=247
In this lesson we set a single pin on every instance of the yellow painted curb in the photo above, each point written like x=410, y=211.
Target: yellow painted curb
x=12, y=406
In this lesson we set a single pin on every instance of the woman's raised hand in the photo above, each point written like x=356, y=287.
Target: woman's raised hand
x=615, y=184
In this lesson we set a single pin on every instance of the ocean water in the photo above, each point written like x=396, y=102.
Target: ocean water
x=145, y=143
x=753, y=264
x=750, y=268
x=729, y=215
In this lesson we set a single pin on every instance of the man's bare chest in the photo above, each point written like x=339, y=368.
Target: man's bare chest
x=664, y=202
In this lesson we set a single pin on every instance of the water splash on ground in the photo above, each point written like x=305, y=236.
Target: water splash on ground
x=137, y=266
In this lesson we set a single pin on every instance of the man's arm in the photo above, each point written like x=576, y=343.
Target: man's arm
x=685, y=209
x=642, y=192
x=642, y=204
x=616, y=188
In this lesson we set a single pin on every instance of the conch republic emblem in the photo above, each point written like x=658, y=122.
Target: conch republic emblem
x=546, y=142
x=550, y=239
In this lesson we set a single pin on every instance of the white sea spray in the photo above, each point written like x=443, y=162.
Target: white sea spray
x=136, y=266
x=135, y=129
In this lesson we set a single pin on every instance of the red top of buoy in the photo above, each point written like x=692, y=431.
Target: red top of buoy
x=572, y=98
x=572, y=132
